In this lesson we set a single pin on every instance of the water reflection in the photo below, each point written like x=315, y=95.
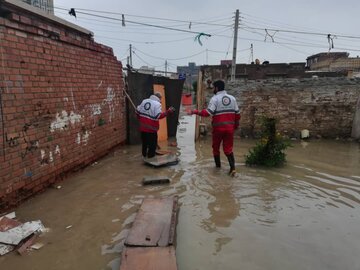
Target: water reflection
x=223, y=208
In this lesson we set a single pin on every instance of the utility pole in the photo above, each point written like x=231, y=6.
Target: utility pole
x=130, y=57
x=252, y=53
x=233, y=65
x=166, y=68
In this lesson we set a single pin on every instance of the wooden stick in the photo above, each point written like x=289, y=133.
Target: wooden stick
x=132, y=103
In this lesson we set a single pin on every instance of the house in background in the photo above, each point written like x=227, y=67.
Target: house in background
x=334, y=62
x=190, y=73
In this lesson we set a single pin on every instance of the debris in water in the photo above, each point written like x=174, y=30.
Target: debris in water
x=37, y=246
x=45, y=230
x=11, y=215
x=305, y=134
x=27, y=243
x=68, y=227
x=7, y=224
x=15, y=235
x=151, y=180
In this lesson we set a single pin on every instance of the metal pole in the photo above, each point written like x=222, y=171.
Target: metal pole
x=233, y=65
x=165, y=67
x=130, y=56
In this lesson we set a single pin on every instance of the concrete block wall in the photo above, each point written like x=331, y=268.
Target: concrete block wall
x=62, y=103
x=324, y=106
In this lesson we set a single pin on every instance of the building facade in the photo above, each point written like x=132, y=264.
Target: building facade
x=190, y=73
x=333, y=62
x=46, y=5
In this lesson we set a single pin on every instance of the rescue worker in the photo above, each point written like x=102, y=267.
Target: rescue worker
x=225, y=119
x=149, y=113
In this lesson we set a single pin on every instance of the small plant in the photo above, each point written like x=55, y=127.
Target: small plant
x=269, y=151
x=101, y=122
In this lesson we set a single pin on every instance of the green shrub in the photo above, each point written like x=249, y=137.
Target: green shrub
x=269, y=151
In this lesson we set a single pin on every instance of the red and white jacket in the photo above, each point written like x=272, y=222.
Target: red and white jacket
x=224, y=110
x=149, y=112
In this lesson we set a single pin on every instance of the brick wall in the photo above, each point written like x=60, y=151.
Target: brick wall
x=62, y=103
x=324, y=106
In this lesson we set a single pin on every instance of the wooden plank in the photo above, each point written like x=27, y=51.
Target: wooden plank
x=163, y=160
x=162, y=152
x=26, y=244
x=152, y=258
x=154, y=223
x=151, y=180
x=199, y=104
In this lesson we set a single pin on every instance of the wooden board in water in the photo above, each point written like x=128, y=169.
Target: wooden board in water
x=154, y=224
x=151, y=258
x=153, y=180
x=164, y=160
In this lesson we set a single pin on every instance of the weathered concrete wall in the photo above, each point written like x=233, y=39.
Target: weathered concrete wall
x=62, y=103
x=324, y=106
x=355, y=133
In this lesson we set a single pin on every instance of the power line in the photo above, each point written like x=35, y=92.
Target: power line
x=299, y=32
x=301, y=44
x=145, y=17
x=228, y=49
x=145, y=42
x=146, y=24
x=124, y=31
x=141, y=59
x=171, y=59
x=215, y=51
x=267, y=22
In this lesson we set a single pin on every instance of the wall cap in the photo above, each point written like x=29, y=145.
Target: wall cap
x=46, y=15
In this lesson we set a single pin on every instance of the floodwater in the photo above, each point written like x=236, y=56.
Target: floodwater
x=305, y=215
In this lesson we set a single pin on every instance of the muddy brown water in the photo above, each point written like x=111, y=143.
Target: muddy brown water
x=305, y=215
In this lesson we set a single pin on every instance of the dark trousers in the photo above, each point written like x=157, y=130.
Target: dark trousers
x=149, y=143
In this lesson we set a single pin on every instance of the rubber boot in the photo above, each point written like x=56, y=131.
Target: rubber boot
x=231, y=160
x=217, y=161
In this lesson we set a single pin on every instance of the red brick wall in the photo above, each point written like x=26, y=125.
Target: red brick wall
x=62, y=103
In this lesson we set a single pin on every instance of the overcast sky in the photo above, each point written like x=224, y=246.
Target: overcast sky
x=152, y=46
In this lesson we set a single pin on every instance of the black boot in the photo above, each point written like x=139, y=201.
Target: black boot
x=217, y=161
x=231, y=160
